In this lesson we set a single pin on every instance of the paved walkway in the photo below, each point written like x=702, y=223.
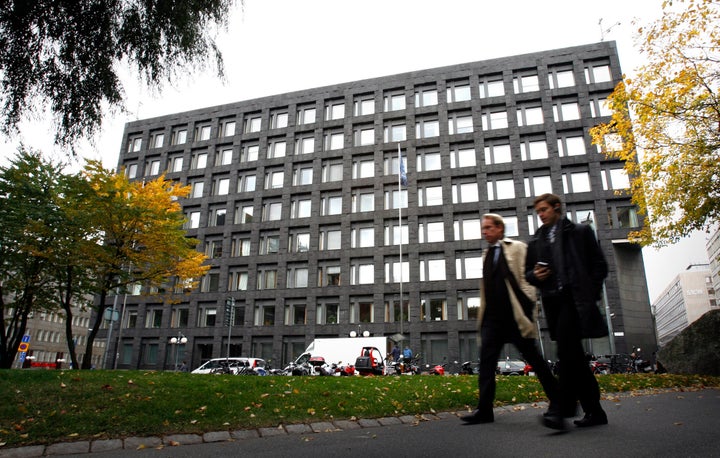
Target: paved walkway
x=670, y=423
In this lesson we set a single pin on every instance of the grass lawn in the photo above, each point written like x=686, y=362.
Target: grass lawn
x=47, y=406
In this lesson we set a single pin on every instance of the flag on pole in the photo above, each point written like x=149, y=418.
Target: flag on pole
x=402, y=173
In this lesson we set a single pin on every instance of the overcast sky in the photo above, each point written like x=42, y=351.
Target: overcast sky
x=277, y=46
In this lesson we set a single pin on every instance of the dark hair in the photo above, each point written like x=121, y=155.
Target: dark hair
x=552, y=199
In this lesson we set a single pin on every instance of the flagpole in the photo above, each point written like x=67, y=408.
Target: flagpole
x=400, y=234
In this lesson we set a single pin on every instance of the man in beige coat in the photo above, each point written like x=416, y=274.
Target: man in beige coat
x=508, y=314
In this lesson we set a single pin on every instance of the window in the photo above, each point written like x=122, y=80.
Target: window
x=395, y=234
x=304, y=145
x=334, y=140
x=252, y=124
x=468, y=305
x=227, y=128
x=202, y=132
x=157, y=139
x=425, y=97
x=361, y=310
x=362, y=237
x=395, y=199
x=570, y=145
x=152, y=167
x=334, y=110
x=244, y=213
x=431, y=231
x=175, y=163
x=526, y=83
x=492, y=86
x=494, y=119
x=276, y=148
x=500, y=188
x=467, y=227
x=331, y=205
x=196, y=189
x=193, y=220
x=306, y=114
x=238, y=280
x=427, y=128
x=576, y=182
x=363, y=136
x=394, y=101
x=560, y=77
x=363, y=200
x=432, y=268
x=429, y=194
x=272, y=211
x=433, y=309
x=623, y=216
x=295, y=313
x=428, y=160
x=250, y=153
x=210, y=283
x=363, y=168
x=179, y=318
x=536, y=183
x=465, y=192
x=131, y=171
x=611, y=143
x=264, y=315
x=362, y=272
x=278, y=119
x=300, y=207
x=498, y=153
x=327, y=313
x=394, y=132
x=468, y=265
x=266, y=277
x=511, y=226
x=199, y=160
x=302, y=174
x=153, y=318
x=134, y=144
x=179, y=135
x=566, y=111
x=221, y=186
x=531, y=150
x=599, y=107
x=274, y=179
x=396, y=272
x=269, y=243
x=223, y=157
x=529, y=116
x=240, y=246
x=213, y=248
x=297, y=277
x=596, y=72
x=217, y=217
x=246, y=183
x=364, y=105
x=332, y=171
x=460, y=123
x=458, y=91
x=329, y=273
x=330, y=238
x=582, y=214
x=615, y=178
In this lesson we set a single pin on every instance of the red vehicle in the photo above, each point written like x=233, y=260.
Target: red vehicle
x=370, y=362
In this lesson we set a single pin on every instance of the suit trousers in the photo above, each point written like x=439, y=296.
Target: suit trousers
x=577, y=382
x=493, y=336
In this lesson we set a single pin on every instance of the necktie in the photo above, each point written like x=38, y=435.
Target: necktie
x=494, y=254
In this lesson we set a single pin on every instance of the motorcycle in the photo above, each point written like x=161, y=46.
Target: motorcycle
x=469, y=368
x=404, y=366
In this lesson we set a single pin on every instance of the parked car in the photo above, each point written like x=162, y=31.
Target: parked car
x=510, y=367
x=233, y=365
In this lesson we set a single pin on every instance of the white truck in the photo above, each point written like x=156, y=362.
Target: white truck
x=343, y=350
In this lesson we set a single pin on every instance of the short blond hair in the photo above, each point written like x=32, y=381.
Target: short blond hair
x=495, y=218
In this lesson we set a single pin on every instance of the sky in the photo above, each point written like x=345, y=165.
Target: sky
x=277, y=46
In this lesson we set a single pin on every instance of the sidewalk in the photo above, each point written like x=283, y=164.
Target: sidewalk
x=670, y=423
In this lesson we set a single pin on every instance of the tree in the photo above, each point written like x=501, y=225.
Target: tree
x=667, y=121
x=140, y=238
x=65, y=54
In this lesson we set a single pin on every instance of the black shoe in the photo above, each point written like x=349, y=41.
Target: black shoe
x=552, y=421
x=554, y=411
x=477, y=417
x=592, y=419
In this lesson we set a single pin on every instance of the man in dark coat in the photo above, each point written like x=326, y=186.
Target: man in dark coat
x=566, y=263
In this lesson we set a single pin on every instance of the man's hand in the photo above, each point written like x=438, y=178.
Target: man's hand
x=541, y=272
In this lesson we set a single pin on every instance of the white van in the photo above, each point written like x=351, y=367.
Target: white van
x=233, y=365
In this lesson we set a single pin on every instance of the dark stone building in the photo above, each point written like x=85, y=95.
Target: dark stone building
x=296, y=198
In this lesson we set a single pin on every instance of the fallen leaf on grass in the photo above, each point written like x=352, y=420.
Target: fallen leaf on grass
x=174, y=443
x=62, y=385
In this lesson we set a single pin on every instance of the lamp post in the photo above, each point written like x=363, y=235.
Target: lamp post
x=175, y=341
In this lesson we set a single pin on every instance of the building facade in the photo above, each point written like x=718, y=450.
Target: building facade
x=298, y=201
x=688, y=297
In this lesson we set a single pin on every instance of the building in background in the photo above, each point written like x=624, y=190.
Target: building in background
x=688, y=297
x=713, y=252
x=297, y=200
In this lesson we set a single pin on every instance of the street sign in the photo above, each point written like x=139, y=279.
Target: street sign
x=24, y=347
